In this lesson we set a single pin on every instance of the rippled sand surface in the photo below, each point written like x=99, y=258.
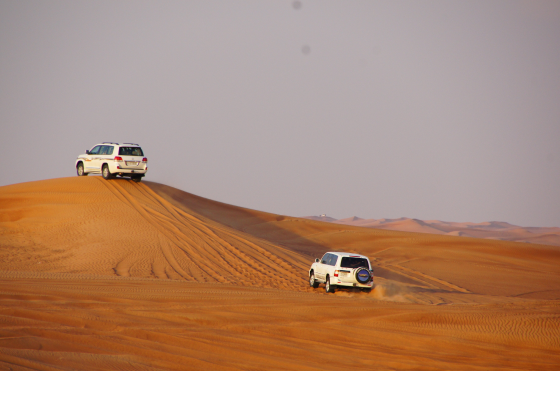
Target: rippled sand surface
x=115, y=275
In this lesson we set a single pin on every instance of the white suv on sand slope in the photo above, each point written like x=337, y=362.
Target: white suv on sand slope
x=341, y=269
x=112, y=159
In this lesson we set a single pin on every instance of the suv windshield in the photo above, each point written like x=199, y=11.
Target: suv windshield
x=130, y=151
x=353, y=262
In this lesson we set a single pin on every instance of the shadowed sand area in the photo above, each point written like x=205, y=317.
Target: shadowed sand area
x=114, y=274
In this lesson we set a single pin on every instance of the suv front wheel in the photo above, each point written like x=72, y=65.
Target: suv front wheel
x=328, y=287
x=80, y=169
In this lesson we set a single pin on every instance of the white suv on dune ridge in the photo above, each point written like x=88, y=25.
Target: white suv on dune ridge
x=113, y=159
x=341, y=269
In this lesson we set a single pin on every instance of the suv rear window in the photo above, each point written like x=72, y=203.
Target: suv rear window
x=353, y=262
x=130, y=151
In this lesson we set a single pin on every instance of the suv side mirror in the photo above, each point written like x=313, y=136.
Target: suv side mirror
x=316, y=260
x=87, y=151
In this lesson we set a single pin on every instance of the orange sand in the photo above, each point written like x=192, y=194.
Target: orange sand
x=113, y=274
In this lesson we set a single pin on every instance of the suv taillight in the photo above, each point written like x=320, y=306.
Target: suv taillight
x=144, y=159
x=336, y=272
x=117, y=158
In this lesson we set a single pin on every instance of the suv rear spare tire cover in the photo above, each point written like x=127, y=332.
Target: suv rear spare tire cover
x=362, y=275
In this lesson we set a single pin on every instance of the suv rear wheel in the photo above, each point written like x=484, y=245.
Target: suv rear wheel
x=328, y=287
x=106, y=173
x=136, y=178
x=312, y=282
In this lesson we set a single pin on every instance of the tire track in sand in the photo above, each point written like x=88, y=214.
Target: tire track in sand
x=194, y=250
x=231, y=237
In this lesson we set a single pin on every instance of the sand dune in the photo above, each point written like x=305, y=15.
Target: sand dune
x=458, y=233
x=101, y=274
x=483, y=230
x=125, y=229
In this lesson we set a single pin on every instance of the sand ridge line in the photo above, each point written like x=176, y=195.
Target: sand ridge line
x=180, y=239
x=180, y=221
x=227, y=243
x=178, y=212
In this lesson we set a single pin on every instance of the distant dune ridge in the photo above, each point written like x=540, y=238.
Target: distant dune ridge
x=483, y=230
x=111, y=275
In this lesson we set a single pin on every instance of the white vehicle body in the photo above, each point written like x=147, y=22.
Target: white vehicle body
x=113, y=159
x=341, y=269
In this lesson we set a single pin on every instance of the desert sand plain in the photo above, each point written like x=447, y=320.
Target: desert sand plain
x=117, y=275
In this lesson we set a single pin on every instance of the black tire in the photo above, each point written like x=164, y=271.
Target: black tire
x=105, y=172
x=136, y=178
x=312, y=281
x=80, y=169
x=328, y=287
x=367, y=290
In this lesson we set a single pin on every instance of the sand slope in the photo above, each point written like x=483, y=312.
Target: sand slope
x=119, y=228
x=101, y=274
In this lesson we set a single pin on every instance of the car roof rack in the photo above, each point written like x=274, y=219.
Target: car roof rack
x=109, y=143
x=136, y=144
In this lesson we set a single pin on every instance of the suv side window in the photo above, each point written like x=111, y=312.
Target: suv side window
x=108, y=150
x=333, y=260
x=326, y=259
x=95, y=150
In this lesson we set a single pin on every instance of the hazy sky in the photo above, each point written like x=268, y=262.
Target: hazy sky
x=443, y=110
